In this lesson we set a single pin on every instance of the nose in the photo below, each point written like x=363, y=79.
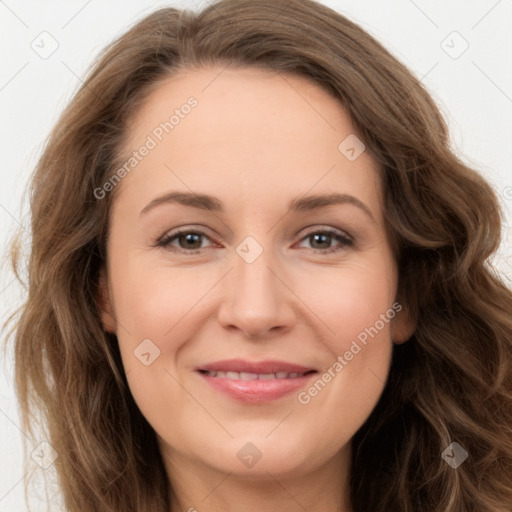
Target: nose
x=256, y=298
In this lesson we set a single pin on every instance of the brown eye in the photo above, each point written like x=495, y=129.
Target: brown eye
x=325, y=237
x=188, y=241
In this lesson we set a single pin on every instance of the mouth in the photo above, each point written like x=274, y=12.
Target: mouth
x=255, y=382
x=254, y=376
x=244, y=367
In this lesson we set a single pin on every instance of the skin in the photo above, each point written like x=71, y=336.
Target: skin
x=256, y=140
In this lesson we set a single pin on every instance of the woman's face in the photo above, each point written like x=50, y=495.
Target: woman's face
x=283, y=275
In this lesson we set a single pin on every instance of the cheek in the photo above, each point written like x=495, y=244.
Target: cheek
x=349, y=301
x=360, y=347
x=152, y=325
x=355, y=305
x=149, y=299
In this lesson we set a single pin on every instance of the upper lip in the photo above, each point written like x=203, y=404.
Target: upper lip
x=241, y=365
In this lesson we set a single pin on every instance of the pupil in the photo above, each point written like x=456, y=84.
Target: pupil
x=188, y=238
x=315, y=237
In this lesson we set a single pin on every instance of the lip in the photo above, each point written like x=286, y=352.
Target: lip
x=241, y=365
x=255, y=391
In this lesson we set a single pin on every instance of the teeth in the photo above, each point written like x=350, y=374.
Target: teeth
x=253, y=376
x=246, y=376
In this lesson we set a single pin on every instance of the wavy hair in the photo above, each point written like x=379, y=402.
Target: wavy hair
x=452, y=381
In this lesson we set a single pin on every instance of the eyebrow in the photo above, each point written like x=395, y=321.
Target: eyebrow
x=299, y=204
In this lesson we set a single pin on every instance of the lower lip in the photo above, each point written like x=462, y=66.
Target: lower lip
x=256, y=391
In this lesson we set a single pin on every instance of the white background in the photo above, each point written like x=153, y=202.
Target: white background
x=474, y=92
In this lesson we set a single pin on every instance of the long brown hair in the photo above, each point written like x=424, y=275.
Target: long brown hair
x=452, y=381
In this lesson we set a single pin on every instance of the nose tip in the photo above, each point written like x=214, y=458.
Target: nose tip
x=255, y=300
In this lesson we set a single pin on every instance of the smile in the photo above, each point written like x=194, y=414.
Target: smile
x=255, y=382
x=255, y=376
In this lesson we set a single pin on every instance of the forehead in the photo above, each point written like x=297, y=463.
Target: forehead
x=252, y=134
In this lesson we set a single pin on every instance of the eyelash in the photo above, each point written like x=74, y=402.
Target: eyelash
x=165, y=241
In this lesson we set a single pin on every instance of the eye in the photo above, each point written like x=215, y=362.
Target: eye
x=325, y=236
x=189, y=241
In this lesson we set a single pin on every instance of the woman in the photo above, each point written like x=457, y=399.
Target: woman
x=253, y=372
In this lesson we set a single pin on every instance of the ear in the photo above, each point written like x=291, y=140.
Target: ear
x=104, y=304
x=402, y=326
